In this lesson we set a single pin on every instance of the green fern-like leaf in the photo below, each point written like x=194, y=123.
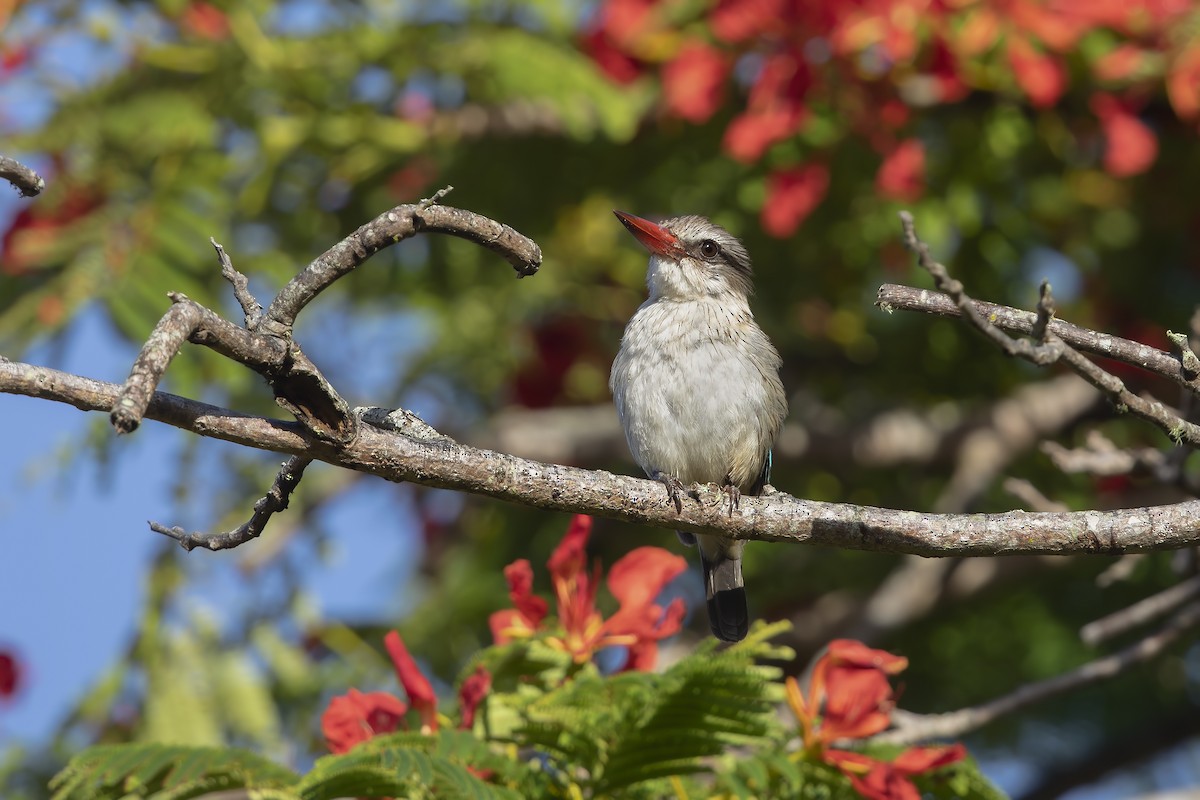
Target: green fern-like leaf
x=412, y=765
x=166, y=772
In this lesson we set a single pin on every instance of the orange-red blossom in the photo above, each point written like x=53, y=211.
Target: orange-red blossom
x=357, y=716
x=635, y=581
x=849, y=697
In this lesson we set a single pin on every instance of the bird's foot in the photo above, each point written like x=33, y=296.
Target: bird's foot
x=734, y=494
x=674, y=489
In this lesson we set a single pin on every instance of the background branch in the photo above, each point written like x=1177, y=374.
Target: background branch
x=912, y=728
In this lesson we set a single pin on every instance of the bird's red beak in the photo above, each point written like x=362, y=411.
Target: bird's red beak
x=654, y=237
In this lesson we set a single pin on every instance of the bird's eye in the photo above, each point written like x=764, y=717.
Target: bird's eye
x=709, y=249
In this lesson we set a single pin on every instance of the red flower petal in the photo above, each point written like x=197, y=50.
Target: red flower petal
x=355, y=717
x=739, y=20
x=509, y=624
x=1183, y=82
x=923, y=759
x=10, y=675
x=750, y=134
x=1120, y=63
x=1042, y=77
x=614, y=62
x=791, y=197
x=850, y=651
x=416, y=685
x=1130, y=146
x=902, y=173
x=693, y=80
x=206, y=21
x=520, y=589
x=638, y=577
x=643, y=654
x=570, y=557
x=471, y=694
x=884, y=782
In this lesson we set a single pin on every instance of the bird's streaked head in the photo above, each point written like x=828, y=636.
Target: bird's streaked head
x=691, y=257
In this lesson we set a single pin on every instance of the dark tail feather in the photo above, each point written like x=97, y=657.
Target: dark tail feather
x=727, y=614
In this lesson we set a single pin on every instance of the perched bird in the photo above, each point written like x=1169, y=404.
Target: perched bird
x=696, y=385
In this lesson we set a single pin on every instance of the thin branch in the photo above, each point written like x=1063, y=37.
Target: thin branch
x=1051, y=349
x=911, y=728
x=411, y=453
x=394, y=226
x=1100, y=456
x=26, y=181
x=276, y=499
x=1042, y=354
x=1140, y=613
x=266, y=344
x=1031, y=496
x=251, y=308
x=895, y=297
x=186, y=321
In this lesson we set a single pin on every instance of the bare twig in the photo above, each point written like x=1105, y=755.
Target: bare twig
x=1120, y=570
x=432, y=460
x=1100, y=456
x=1042, y=354
x=1031, y=496
x=1189, y=363
x=388, y=228
x=266, y=344
x=251, y=308
x=26, y=181
x=1140, y=613
x=895, y=297
x=276, y=499
x=1051, y=349
x=912, y=728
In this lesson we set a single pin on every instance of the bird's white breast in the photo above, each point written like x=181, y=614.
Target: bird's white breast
x=697, y=388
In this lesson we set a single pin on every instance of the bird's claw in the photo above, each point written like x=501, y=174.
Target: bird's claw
x=735, y=496
x=674, y=489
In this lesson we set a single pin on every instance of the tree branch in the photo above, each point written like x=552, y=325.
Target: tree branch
x=394, y=226
x=26, y=181
x=895, y=297
x=276, y=499
x=911, y=728
x=1049, y=349
x=414, y=452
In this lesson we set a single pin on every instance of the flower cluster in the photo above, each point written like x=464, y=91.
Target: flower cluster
x=357, y=716
x=579, y=629
x=871, y=61
x=848, y=698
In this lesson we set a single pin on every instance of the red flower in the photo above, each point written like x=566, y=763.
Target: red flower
x=882, y=780
x=791, y=197
x=10, y=675
x=1130, y=146
x=206, y=21
x=849, y=698
x=739, y=20
x=355, y=717
x=416, y=685
x=775, y=108
x=692, y=81
x=1183, y=82
x=902, y=173
x=635, y=580
x=1042, y=77
x=471, y=694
